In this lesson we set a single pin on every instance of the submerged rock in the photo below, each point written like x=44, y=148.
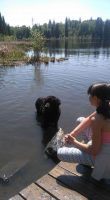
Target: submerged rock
x=56, y=142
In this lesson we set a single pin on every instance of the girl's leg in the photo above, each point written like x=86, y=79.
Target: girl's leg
x=74, y=155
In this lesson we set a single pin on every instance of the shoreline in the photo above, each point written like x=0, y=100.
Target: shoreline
x=32, y=61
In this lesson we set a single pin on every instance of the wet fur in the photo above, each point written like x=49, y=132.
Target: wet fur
x=48, y=111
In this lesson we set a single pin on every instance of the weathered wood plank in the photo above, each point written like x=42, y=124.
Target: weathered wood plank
x=79, y=184
x=16, y=197
x=67, y=181
x=58, y=189
x=76, y=169
x=71, y=167
x=85, y=172
x=33, y=192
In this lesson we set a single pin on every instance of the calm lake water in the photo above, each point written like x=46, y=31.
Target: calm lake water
x=20, y=86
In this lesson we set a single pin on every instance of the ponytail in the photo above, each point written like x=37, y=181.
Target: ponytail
x=104, y=109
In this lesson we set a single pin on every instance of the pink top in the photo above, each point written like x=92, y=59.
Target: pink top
x=105, y=137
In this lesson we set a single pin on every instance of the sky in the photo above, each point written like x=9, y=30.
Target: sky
x=30, y=12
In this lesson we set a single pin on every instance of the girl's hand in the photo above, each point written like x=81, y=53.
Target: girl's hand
x=67, y=137
x=70, y=139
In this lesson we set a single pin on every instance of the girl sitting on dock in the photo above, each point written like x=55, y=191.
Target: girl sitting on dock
x=96, y=152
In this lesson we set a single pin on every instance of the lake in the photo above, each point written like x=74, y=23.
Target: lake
x=20, y=86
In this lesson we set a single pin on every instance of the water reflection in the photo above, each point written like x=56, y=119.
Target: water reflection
x=79, y=52
x=69, y=47
x=72, y=44
x=3, y=73
x=65, y=48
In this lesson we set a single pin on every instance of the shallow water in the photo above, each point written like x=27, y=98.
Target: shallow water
x=20, y=135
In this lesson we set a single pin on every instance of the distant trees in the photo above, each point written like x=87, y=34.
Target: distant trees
x=98, y=29
x=87, y=29
x=66, y=27
x=92, y=30
x=106, y=34
x=4, y=27
x=21, y=33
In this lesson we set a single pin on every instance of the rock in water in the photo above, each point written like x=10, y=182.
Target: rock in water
x=56, y=142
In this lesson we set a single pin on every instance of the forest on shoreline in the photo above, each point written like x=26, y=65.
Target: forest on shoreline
x=91, y=30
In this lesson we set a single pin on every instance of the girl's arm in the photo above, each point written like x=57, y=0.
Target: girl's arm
x=95, y=146
x=84, y=124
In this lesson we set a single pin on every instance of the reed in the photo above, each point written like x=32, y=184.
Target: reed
x=10, y=53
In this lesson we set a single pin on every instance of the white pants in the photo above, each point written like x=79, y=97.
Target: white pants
x=72, y=154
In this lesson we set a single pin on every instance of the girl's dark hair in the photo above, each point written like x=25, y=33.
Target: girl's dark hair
x=101, y=91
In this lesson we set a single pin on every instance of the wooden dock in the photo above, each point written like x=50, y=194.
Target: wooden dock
x=66, y=182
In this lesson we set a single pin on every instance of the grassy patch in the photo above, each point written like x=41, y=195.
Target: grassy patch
x=9, y=53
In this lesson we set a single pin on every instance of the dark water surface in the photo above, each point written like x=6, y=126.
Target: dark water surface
x=20, y=135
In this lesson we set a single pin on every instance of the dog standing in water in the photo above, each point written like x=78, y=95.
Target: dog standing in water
x=48, y=113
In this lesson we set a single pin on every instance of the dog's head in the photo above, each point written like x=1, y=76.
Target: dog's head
x=51, y=102
x=44, y=104
x=48, y=110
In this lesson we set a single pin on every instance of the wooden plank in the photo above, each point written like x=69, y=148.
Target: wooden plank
x=58, y=189
x=71, y=167
x=79, y=184
x=16, y=197
x=85, y=172
x=76, y=169
x=33, y=192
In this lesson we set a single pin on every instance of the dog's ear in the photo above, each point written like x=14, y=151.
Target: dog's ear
x=58, y=101
x=36, y=104
x=39, y=102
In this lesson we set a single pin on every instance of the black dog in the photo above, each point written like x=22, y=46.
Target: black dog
x=48, y=111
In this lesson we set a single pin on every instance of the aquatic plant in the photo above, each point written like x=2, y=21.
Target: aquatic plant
x=38, y=42
x=3, y=53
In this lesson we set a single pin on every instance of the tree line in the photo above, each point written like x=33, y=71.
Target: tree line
x=87, y=29
x=4, y=27
x=93, y=30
